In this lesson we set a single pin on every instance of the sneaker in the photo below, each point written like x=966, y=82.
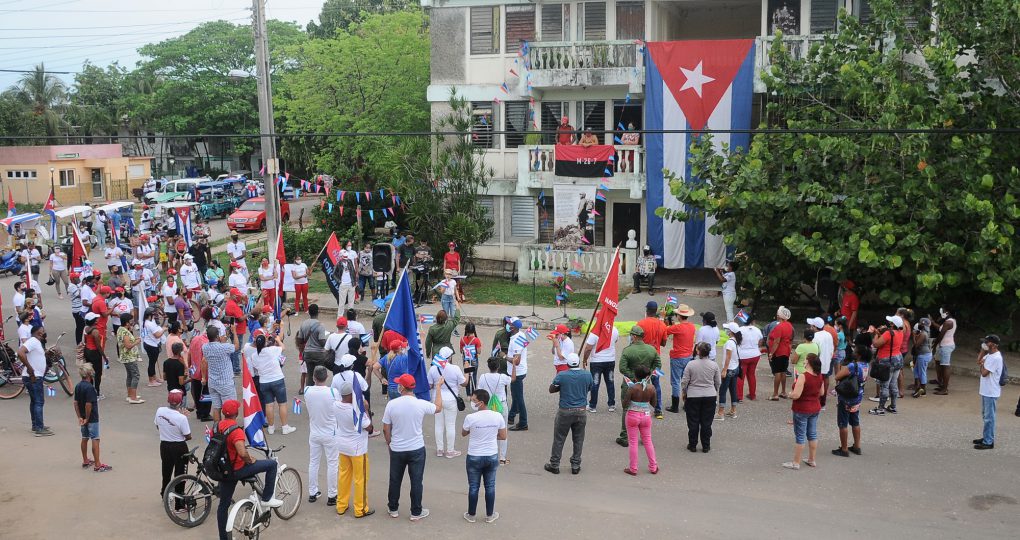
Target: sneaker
x=855, y=450
x=424, y=514
x=271, y=429
x=152, y=384
x=440, y=453
x=719, y=417
x=592, y=410
x=875, y=399
x=272, y=503
x=393, y=513
x=551, y=468
x=42, y=433
x=892, y=410
x=840, y=452
x=452, y=454
x=978, y=441
x=791, y=465
x=877, y=411
x=314, y=497
x=331, y=502
x=101, y=397
x=658, y=415
x=612, y=408
x=493, y=517
x=984, y=446
x=136, y=401
x=102, y=467
x=287, y=430
x=469, y=518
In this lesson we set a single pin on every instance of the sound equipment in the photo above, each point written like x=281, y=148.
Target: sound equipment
x=383, y=258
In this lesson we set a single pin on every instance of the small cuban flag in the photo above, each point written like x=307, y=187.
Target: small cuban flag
x=531, y=334
x=658, y=373
x=365, y=338
x=297, y=406
x=439, y=362
x=672, y=300
x=427, y=319
x=495, y=351
x=208, y=434
x=469, y=353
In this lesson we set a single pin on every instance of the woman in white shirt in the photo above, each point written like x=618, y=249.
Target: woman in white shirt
x=496, y=384
x=731, y=365
x=484, y=428
x=268, y=274
x=58, y=269
x=446, y=421
x=708, y=333
x=299, y=273
x=266, y=359
x=152, y=336
x=562, y=346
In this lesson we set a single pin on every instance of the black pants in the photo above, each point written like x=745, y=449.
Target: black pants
x=171, y=455
x=94, y=357
x=197, y=391
x=79, y=326
x=153, y=354
x=637, y=281
x=413, y=461
x=700, y=413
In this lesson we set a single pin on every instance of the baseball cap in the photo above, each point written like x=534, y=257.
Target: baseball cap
x=573, y=360
x=189, y=256
x=175, y=397
x=516, y=323
x=406, y=380
x=259, y=332
x=446, y=353
x=991, y=338
x=652, y=304
x=817, y=322
x=231, y=407
x=637, y=331
x=171, y=272
x=136, y=262
x=96, y=273
x=267, y=309
x=341, y=321
x=896, y=320
x=560, y=329
x=346, y=360
x=119, y=289
x=346, y=388
x=73, y=275
x=105, y=289
x=235, y=264
x=91, y=316
x=732, y=327
x=235, y=292
x=398, y=344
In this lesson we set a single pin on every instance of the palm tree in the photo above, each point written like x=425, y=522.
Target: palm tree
x=46, y=95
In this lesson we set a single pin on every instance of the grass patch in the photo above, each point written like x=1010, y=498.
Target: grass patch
x=488, y=290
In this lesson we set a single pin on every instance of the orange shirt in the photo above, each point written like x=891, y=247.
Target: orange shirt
x=683, y=339
x=655, y=332
x=832, y=332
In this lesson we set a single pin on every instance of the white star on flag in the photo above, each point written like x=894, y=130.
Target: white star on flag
x=695, y=79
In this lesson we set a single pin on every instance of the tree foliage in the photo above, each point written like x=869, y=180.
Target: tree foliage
x=339, y=16
x=919, y=218
x=38, y=100
x=97, y=104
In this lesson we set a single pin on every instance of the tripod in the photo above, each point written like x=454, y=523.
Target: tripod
x=534, y=288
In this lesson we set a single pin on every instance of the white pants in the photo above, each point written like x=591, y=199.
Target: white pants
x=502, y=444
x=346, y=298
x=729, y=298
x=446, y=419
x=317, y=445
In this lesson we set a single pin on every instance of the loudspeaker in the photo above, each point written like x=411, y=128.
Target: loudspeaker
x=383, y=258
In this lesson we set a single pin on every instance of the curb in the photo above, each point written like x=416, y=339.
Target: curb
x=479, y=321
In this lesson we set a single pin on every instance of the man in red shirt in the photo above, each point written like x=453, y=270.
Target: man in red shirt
x=100, y=308
x=779, y=340
x=849, y=304
x=655, y=335
x=233, y=311
x=681, y=353
x=565, y=132
x=244, y=466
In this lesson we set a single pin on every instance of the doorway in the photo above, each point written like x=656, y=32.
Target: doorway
x=626, y=216
x=97, y=183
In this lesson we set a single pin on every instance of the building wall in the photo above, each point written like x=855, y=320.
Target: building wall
x=450, y=49
x=72, y=177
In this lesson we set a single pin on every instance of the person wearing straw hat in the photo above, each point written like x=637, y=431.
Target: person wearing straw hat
x=681, y=353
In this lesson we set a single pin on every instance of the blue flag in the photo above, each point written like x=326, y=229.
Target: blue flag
x=402, y=320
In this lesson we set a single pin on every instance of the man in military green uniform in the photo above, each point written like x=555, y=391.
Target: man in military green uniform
x=502, y=342
x=638, y=353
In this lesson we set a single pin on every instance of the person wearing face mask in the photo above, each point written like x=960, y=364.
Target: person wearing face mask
x=573, y=386
x=990, y=363
x=266, y=359
x=268, y=275
x=446, y=421
x=58, y=270
x=922, y=356
x=501, y=341
x=517, y=356
x=402, y=421
x=32, y=354
x=346, y=275
x=169, y=294
x=299, y=271
x=485, y=429
x=562, y=346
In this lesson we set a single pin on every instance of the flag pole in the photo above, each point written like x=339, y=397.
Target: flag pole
x=601, y=290
x=316, y=260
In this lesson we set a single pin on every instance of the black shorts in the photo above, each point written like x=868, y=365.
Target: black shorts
x=779, y=364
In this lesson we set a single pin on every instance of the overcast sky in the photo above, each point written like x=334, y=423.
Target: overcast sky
x=65, y=33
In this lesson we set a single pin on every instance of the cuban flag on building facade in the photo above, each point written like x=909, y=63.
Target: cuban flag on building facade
x=692, y=85
x=182, y=218
x=254, y=418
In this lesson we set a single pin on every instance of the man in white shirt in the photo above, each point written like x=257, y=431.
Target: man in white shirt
x=339, y=342
x=174, y=431
x=348, y=375
x=169, y=293
x=826, y=350
x=484, y=429
x=237, y=250
x=112, y=254
x=191, y=278
x=990, y=363
x=299, y=275
x=19, y=296
x=33, y=356
x=323, y=407
x=146, y=220
x=355, y=427
x=141, y=277
x=517, y=354
x=87, y=292
x=58, y=269
x=402, y=422
x=603, y=365
x=562, y=345
x=354, y=328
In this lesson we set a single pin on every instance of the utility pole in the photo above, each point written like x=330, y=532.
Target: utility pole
x=266, y=128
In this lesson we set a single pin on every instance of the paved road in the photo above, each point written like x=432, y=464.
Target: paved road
x=918, y=476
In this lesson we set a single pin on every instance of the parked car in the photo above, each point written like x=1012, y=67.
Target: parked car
x=251, y=215
x=185, y=186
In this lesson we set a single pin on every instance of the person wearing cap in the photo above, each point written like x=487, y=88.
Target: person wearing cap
x=168, y=293
x=145, y=253
x=402, y=422
x=243, y=465
x=58, y=269
x=191, y=276
x=727, y=277
x=32, y=355
x=517, y=356
x=174, y=432
x=906, y=345
x=922, y=356
x=86, y=409
x=849, y=303
x=238, y=325
x=323, y=408
x=888, y=342
x=654, y=335
x=780, y=340
x=345, y=373
x=238, y=251
x=645, y=270
x=637, y=353
x=573, y=386
x=681, y=353
x=502, y=338
x=440, y=334
x=74, y=292
x=238, y=278
x=265, y=357
x=446, y=421
x=448, y=290
x=602, y=365
x=562, y=345
x=990, y=363
x=354, y=426
x=337, y=344
x=565, y=133
x=730, y=368
x=826, y=350
x=392, y=364
x=638, y=404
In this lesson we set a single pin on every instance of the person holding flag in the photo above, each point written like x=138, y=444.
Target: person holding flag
x=401, y=319
x=446, y=422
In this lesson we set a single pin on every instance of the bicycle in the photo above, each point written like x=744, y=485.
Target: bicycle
x=188, y=498
x=247, y=519
x=11, y=384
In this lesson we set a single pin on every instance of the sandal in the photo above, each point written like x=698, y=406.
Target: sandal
x=791, y=465
x=102, y=467
x=774, y=398
x=810, y=463
x=784, y=396
x=87, y=464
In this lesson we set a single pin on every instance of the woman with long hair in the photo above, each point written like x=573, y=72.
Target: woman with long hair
x=152, y=337
x=731, y=366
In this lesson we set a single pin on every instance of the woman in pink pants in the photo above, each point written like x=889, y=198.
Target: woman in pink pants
x=638, y=402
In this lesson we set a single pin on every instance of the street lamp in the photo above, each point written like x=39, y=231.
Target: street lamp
x=51, y=180
x=172, y=166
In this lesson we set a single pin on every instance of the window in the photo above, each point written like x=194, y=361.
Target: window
x=593, y=115
x=488, y=203
x=22, y=175
x=553, y=17
x=823, y=16
x=518, y=117
x=522, y=217
x=630, y=20
x=546, y=228
x=136, y=171
x=152, y=138
x=485, y=30
x=520, y=26
x=862, y=10
x=482, y=122
x=552, y=112
x=593, y=21
x=67, y=178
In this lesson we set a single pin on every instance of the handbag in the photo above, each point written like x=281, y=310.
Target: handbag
x=460, y=401
x=879, y=371
x=849, y=387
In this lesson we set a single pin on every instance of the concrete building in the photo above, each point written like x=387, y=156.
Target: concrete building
x=586, y=63
x=84, y=173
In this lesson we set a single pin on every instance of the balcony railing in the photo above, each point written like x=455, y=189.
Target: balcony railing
x=797, y=45
x=584, y=55
x=541, y=260
x=628, y=159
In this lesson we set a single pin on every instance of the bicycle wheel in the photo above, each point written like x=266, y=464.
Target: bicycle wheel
x=288, y=490
x=65, y=379
x=243, y=526
x=192, y=496
x=10, y=384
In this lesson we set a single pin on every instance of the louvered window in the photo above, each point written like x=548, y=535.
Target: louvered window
x=522, y=217
x=823, y=16
x=520, y=26
x=553, y=16
x=630, y=20
x=594, y=21
x=485, y=30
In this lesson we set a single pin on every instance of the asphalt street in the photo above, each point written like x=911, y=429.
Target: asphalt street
x=918, y=476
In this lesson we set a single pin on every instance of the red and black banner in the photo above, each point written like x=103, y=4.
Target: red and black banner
x=583, y=161
x=330, y=260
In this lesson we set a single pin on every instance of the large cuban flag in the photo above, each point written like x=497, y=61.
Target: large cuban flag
x=692, y=85
x=254, y=418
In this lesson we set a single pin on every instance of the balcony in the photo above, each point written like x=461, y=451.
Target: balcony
x=536, y=166
x=799, y=46
x=571, y=64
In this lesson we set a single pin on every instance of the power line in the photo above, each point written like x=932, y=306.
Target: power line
x=51, y=72
x=65, y=2
x=47, y=28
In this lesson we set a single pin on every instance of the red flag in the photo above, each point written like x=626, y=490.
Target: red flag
x=77, y=249
x=11, y=211
x=609, y=296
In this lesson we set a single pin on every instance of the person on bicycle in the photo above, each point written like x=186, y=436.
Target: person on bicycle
x=244, y=465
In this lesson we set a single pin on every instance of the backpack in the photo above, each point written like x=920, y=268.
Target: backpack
x=215, y=461
x=1004, y=376
x=849, y=387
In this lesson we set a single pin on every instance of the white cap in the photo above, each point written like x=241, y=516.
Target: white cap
x=445, y=353
x=573, y=360
x=91, y=316
x=896, y=320
x=189, y=256
x=817, y=322
x=346, y=360
x=732, y=327
x=346, y=388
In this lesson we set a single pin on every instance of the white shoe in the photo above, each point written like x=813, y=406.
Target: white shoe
x=875, y=399
x=591, y=410
x=272, y=503
x=287, y=430
x=612, y=408
x=271, y=429
x=424, y=514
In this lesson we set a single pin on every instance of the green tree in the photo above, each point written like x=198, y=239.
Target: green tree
x=97, y=100
x=370, y=78
x=45, y=95
x=16, y=119
x=340, y=15
x=919, y=218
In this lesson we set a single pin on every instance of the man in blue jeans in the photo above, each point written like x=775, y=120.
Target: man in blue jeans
x=32, y=354
x=517, y=354
x=402, y=421
x=603, y=365
x=244, y=466
x=990, y=363
x=485, y=428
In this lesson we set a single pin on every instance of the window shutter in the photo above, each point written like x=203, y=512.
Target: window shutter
x=516, y=122
x=630, y=20
x=552, y=22
x=488, y=203
x=594, y=21
x=823, y=16
x=485, y=30
x=595, y=118
x=863, y=9
x=522, y=217
x=520, y=26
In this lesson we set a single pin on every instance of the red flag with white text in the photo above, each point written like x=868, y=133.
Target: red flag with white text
x=608, y=306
